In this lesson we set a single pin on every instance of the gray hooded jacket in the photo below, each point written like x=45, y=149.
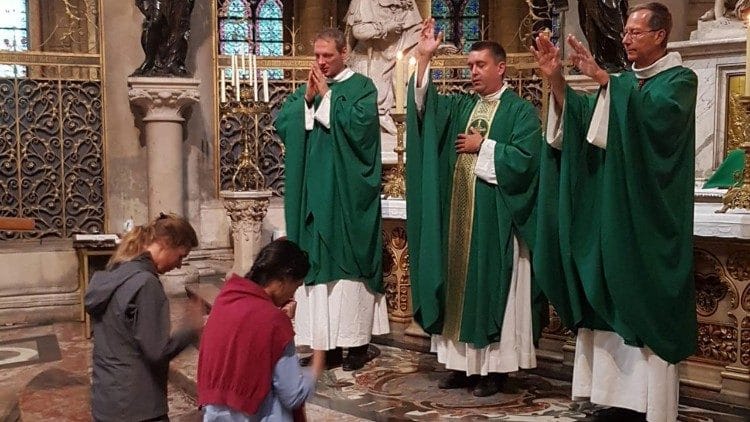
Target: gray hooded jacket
x=132, y=342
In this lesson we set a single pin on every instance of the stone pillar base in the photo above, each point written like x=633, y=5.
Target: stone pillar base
x=246, y=209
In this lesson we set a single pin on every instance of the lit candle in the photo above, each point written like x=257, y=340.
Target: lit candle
x=747, y=60
x=244, y=65
x=237, y=87
x=223, y=89
x=255, y=76
x=265, y=85
x=399, y=88
x=412, y=67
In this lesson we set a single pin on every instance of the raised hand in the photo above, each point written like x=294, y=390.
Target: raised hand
x=320, y=79
x=428, y=41
x=547, y=55
x=584, y=61
x=312, y=87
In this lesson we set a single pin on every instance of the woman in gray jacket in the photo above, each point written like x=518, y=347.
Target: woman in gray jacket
x=130, y=314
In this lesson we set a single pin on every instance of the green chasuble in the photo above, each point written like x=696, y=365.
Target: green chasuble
x=468, y=307
x=614, y=244
x=729, y=172
x=332, y=185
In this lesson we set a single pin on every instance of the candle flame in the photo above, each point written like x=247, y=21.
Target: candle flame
x=412, y=60
x=399, y=55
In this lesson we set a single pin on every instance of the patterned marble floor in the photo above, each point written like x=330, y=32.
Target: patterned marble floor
x=402, y=385
x=398, y=385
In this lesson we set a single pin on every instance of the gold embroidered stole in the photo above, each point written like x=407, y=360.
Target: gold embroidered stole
x=461, y=221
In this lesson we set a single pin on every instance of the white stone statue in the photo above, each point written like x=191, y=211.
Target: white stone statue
x=725, y=10
x=376, y=30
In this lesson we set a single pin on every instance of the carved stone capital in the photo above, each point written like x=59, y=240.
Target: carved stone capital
x=246, y=216
x=163, y=99
x=246, y=209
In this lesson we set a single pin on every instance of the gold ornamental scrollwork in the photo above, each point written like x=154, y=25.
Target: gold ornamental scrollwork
x=745, y=342
x=556, y=329
x=711, y=283
x=396, y=271
x=717, y=342
x=390, y=279
x=738, y=265
x=709, y=291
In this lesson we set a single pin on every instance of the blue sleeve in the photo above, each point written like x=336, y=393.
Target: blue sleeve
x=291, y=384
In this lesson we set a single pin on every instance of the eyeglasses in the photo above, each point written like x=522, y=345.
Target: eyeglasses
x=634, y=35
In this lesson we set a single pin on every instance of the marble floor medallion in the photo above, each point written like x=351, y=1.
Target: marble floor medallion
x=28, y=351
x=402, y=385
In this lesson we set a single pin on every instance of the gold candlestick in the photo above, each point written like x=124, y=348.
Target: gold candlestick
x=249, y=113
x=738, y=196
x=395, y=185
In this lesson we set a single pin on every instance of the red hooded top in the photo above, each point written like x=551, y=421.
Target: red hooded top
x=241, y=343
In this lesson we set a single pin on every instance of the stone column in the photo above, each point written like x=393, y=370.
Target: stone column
x=425, y=7
x=246, y=209
x=164, y=102
x=504, y=18
x=312, y=16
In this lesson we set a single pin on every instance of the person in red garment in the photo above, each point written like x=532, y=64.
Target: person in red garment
x=248, y=369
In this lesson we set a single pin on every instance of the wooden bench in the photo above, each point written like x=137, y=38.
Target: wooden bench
x=16, y=224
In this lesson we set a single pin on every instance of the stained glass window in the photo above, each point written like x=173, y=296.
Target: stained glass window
x=13, y=34
x=459, y=20
x=252, y=27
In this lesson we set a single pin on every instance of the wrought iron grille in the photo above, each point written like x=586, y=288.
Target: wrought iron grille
x=448, y=73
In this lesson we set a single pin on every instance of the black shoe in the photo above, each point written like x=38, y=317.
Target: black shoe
x=489, y=385
x=618, y=414
x=456, y=379
x=334, y=358
x=356, y=358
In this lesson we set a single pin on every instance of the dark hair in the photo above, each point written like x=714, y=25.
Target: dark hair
x=279, y=260
x=333, y=34
x=496, y=50
x=660, y=17
x=171, y=229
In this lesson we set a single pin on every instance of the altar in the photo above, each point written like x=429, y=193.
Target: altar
x=720, y=368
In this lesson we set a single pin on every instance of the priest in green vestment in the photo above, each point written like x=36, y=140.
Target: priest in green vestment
x=614, y=250
x=472, y=173
x=331, y=135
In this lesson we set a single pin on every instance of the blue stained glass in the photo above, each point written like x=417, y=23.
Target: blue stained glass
x=13, y=40
x=261, y=32
x=12, y=71
x=234, y=47
x=275, y=74
x=13, y=14
x=271, y=49
x=444, y=26
x=270, y=9
x=440, y=9
x=472, y=8
x=13, y=34
x=235, y=30
x=270, y=30
x=470, y=29
x=237, y=9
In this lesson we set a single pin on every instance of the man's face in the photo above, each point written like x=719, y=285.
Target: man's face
x=486, y=74
x=642, y=44
x=328, y=58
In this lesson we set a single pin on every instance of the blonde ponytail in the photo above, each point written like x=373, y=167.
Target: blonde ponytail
x=174, y=231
